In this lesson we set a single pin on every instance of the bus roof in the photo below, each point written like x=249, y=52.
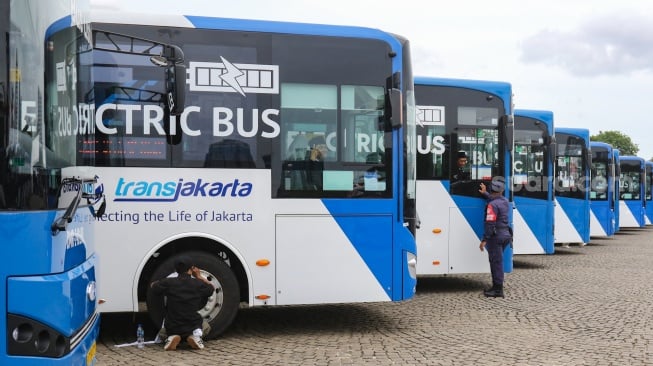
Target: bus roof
x=600, y=144
x=501, y=88
x=580, y=132
x=247, y=25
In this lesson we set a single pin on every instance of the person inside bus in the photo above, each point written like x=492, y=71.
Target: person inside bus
x=497, y=234
x=460, y=173
x=185, y=295
x=316, y=156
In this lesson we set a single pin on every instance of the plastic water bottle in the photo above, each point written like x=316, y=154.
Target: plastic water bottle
x=140, y=336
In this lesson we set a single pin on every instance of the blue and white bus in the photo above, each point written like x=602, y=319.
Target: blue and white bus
x=533, y=182
x=289, y=176
x=648, y=195
x=468, y=121
x=572, y=180
x=603, y=196
x=632, y=210
x=48, y=305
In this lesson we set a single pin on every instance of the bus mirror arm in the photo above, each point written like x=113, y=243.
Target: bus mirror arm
x=163, y=55
x=60, y=223
x=99, y=212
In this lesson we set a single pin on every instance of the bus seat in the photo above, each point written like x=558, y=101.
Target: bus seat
x=229, y=153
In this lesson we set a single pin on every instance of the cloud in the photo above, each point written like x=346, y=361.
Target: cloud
x=610, y=45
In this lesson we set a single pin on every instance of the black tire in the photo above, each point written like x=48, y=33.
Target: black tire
x=220, y=309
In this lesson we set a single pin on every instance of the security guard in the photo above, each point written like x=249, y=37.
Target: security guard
x=497, y=234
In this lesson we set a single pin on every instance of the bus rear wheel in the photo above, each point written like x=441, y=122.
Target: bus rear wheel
x=220, y=309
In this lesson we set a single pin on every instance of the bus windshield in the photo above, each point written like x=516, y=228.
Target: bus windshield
x=328, y=138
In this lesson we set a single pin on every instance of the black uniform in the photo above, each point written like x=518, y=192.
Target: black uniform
x=185, y=296
x=460, y=175
x=496, y=234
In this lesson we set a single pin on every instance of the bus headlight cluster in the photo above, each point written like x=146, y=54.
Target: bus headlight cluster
x=31, y=338
x=412, y=264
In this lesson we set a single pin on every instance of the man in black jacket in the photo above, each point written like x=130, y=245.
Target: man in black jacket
x=185, y=295
x=460, y=173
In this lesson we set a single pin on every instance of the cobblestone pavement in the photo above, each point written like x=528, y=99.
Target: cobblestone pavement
x=589, y=305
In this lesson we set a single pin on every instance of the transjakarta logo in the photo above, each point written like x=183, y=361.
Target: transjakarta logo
x=226, y=77
x=171, y=191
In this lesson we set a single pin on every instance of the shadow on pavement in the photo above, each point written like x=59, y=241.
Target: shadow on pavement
x=452, y=284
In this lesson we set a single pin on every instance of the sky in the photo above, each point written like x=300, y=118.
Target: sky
x=590, y=62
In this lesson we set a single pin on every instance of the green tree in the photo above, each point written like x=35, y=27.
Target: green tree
x=617, y=139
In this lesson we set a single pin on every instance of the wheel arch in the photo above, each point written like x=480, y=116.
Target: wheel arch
x=192, y=242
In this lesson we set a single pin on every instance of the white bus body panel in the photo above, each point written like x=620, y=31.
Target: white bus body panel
x=626, y=217
x=596, y=229
x=564, y=230
x=321, y=267
x=137, y=229
x=524, y=240
x=455, y=247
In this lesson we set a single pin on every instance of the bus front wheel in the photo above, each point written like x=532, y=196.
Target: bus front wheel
x=220, y=309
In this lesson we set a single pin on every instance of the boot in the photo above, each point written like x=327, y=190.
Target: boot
x=495, y=291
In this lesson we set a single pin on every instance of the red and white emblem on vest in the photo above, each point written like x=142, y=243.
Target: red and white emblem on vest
x=489, y=214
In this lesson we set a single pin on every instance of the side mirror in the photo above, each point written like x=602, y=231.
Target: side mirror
x=394, y=108
x=172, y=59
x=507, y=123
x=175, y=88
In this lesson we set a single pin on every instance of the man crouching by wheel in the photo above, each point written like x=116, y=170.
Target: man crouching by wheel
x=185, y=295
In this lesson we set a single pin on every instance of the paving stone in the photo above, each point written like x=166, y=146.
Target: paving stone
x=588, y=305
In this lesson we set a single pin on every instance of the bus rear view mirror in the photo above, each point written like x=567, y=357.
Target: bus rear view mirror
x=176, y=88
x=507, y=123
x=394, y=108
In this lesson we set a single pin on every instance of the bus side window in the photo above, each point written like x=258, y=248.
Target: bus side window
x=229, y=153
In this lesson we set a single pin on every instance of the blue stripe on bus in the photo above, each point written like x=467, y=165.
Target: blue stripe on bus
x=601, y=210
x=534, y=212
x=371, y=236
x=578, y=212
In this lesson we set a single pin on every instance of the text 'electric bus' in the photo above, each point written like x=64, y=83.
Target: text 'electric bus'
x=464, y=138
x=533, y=182
x=288, y=177
x=572, y=180
x=48, y=305
x=632, y=210
x=603, y=196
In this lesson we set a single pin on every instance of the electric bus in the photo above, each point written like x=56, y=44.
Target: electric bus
x=632, y=210
x=288, y=175
x=533, y=182
x=466, y=122
x=603, y=222
x=572, y=179
x=48, y=305
x=648, y=196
